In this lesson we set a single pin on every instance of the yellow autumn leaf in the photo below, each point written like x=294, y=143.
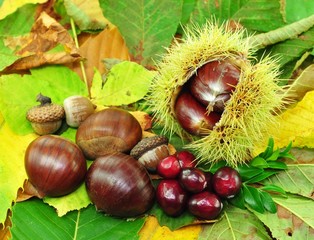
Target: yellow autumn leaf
x=295, y=124
x=12, y=172
x=153, y=231
x=9, y=7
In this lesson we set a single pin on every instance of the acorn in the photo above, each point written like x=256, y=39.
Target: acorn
x=77, y=109
x=45, y=118
x=231, y=101
x=150, y=150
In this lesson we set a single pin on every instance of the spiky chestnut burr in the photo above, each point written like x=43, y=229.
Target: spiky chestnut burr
x=246, y=115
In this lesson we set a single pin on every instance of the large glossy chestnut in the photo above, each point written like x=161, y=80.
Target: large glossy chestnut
x=54, y=165
x=119, y=185
x=107, y=131
x=193, y=116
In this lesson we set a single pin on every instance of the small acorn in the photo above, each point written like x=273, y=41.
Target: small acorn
x=45, y=118
x=77, y=109
x=149, y=151
x=232, y=100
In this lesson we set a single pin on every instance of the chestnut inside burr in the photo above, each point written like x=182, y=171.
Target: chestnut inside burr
x=202, y=99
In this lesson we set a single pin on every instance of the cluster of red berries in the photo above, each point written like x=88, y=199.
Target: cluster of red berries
x=186, y=187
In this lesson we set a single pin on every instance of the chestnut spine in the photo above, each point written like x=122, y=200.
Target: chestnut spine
x=249, y=112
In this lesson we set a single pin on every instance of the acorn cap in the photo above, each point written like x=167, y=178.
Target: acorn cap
x=147, y=144
x=45, y=113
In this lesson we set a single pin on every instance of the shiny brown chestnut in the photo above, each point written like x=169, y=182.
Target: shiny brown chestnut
x=149, y=151
x=107, y=131
x=54, y=165
x=119, y=185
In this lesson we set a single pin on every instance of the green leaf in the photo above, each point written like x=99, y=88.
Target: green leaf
x=273, y=188
x=235, y=224
x=172, y=223
x=57, y=82
x=246, y=171
x=293, y=220
x=21, y=20
x=127, y=82
x=252, y=198
x=222, y=10
x=269, y=149
x=277, y=165
x=7, y=56
x=265, y=174
x=274, y=156
x=294, y=48
x=33, y=219
x=268, y=202
x=260, y=15
x=147, y=26
x=298, y=179
x=187, y=9
x=238, y=200
x=259, y=162
x=305, y=9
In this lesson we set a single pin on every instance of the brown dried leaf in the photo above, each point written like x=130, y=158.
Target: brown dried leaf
x=144, y=119
x=303, y=84
x=96, y=47
x=5, y=233
x=48, y=43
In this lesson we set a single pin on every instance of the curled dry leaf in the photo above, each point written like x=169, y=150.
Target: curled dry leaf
x=144, y=119
x=303, y=84
x=96, y=47
x=5, y=227
x=47, y=43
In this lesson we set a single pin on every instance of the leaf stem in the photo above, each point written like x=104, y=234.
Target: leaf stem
x=280, y=34
x=81, y=61
x=76, y=224
x=229, y=223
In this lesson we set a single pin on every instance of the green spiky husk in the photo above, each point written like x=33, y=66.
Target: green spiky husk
x=249, y=112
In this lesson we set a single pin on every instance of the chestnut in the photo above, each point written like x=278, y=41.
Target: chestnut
x=193, y=116
x=54, y=165
x=119, y=185
x=150, y=151
x=108, y=131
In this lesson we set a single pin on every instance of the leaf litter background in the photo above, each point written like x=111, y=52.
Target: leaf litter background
x=38, y=54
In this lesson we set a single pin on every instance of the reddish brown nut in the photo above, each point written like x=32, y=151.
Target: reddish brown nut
x=149, y=151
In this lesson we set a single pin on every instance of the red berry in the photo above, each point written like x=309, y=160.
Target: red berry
x=192, y=180
x=171, y=197
x=226, y=182
x=186, y=159
x=205, y=205
x=169, y=167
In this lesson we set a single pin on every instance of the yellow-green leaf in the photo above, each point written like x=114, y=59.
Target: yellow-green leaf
x=9, y=7
x=295, y=124
x=12, y=172
x=127, y=82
